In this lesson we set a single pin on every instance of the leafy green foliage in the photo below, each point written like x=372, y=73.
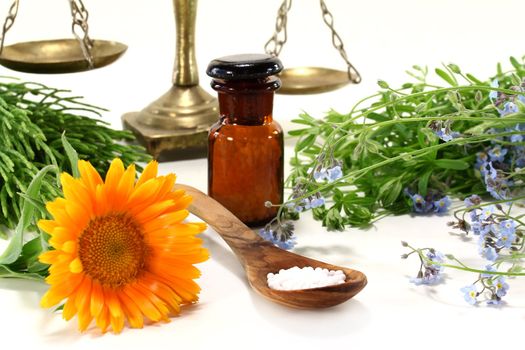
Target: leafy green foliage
x=33, y=120
x=387, y=147
x=15, y=247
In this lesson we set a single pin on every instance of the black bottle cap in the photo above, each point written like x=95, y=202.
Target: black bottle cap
x=246, y=66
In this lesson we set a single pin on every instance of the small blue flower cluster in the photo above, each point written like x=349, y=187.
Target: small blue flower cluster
x=496, y=287
x=431, y=273
x=433, y=202
x=297, y=203
x=281, y=238
x=310, y=202
x=507, y=104
x=447, y=134
x=443, y=130
x=495, y=236
x=330, y=174
x=490, y=165
x=496, y=161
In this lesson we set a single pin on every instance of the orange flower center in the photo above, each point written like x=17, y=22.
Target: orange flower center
x=112, y=249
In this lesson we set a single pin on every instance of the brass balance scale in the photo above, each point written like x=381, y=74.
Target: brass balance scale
x=178, y=121
x=310, y=80
x=60, y=55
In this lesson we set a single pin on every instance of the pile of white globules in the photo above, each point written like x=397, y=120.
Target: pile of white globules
x=296, y=278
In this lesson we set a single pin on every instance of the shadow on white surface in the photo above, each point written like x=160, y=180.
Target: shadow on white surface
x=23, y=285
x=462, y=236
x=338, y=321
x=337, y=250
x=55, y=330
x=224, y=256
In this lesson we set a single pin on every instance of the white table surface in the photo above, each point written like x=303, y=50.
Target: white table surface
x=383, y=39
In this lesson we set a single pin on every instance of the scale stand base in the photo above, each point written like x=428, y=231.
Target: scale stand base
x=176, y=125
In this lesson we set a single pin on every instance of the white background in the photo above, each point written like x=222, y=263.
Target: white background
x=383, y=39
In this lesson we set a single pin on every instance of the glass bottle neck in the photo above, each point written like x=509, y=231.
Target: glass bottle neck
x=246, y=102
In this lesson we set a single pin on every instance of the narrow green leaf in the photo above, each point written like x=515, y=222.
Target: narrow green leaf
x=445, y=76
x=474, y=79
x=298, y=132
x=14, y=248
x=39, y=205
x=5, y=272
x=422, y=184
x=390, y=190
x=454, y=164
x=377, y=117
x=515, y=63
x=303, y=122
x=72, y=155
x=305, y=142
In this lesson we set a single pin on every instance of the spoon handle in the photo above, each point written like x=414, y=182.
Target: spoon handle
x=241, y=239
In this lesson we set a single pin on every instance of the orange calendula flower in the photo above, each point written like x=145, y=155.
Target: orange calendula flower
x=122, y=251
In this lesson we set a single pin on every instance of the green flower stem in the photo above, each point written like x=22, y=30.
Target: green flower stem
x=462, y=266
x=375, y=127
x=413, y=96
x=501, y=201
x=390, y=145
x=416, y=153
x=378, y=126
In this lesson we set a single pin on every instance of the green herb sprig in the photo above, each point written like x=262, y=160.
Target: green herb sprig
x=33, y=118
x=387, y=148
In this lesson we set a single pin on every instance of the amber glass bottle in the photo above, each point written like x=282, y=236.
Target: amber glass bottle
x=245, y=147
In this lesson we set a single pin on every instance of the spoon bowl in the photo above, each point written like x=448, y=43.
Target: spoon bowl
x=259, y=257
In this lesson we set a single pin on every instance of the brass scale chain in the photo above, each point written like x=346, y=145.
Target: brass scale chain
x=79, y=27
x=275, y=44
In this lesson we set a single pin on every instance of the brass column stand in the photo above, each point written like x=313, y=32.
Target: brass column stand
x=177, y=123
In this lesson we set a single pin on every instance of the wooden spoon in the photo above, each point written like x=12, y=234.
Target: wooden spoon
x=259, y=257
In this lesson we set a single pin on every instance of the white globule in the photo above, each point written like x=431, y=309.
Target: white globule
x=296, y=278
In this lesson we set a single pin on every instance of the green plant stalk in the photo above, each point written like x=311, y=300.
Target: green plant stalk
x=353, y=175
x=33, y=120
x=463, y=267
x=389, y=133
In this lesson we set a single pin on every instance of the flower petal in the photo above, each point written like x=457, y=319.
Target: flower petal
x=75, y=192
x=150, y=172
x=76, y=266
x=61, y=290
x=89, y=175
x=132, y=311
x=115, y=311
x=47, y=225
x=145, y=305
x=102, y=319
x=166, y=220
x=97, y=299
x=69, y=308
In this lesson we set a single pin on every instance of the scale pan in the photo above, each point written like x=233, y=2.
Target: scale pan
x=311, y=80
x=58, y=56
